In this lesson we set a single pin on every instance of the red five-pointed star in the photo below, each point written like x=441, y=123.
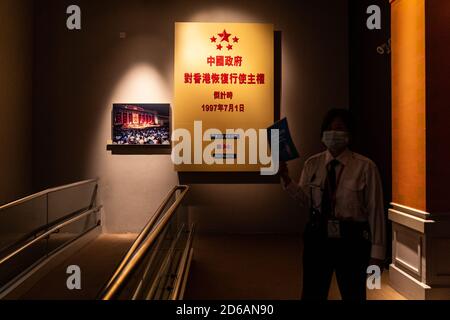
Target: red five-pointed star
x=219, y=47
x=225, y=36
x=213, y=39
x=235, y=39
x=230, y=47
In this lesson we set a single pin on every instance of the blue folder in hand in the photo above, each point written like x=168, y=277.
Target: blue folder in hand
x=288, y=151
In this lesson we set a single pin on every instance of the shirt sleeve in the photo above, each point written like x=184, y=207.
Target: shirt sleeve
x=375, y=209
x=297, y=190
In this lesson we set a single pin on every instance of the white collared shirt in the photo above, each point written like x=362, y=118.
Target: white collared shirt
x=359, y=194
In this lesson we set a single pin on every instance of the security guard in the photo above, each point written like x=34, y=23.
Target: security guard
x=346, y=230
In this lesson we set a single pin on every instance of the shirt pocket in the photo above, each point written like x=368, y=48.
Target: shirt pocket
x=352, y=195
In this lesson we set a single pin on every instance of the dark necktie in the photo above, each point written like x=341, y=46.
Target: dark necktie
x=329, y=191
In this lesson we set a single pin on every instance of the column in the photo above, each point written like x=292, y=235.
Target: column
x=420, y=212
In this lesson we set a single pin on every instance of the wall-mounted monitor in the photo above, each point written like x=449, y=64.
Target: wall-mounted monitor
x=141, y=124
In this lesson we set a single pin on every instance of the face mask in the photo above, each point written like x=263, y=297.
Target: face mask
x=335, y=140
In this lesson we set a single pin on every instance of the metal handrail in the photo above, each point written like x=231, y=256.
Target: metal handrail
x=54, y=229
x=165, y=264
x=144, y=241
x=181, y=275
x=152, y=258
x=46, y=192
x=144, y=233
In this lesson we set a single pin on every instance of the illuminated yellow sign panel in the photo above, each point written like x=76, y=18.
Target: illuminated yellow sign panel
x=224, y=78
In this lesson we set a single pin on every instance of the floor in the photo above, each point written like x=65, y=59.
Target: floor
x=230, y=267
x=262, y=267
x=97, y=261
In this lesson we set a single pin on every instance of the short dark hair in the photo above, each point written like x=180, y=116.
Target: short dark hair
x=332, y=114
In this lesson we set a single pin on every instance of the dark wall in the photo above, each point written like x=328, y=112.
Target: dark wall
x=16, y=69
x=438, y=110
x=370, y=87
x=370, y=90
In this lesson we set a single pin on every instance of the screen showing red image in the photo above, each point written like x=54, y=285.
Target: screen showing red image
x=141, y=124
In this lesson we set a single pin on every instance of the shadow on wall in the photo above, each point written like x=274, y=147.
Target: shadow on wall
x=16, y=65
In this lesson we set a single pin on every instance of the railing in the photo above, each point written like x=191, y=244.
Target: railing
x=155, y=267
x=34, y=227
x=55, y=229
x=157, y=264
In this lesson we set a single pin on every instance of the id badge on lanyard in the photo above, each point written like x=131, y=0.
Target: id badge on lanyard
x=334, y=226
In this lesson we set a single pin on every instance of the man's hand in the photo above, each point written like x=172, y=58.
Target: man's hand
x=284, y=174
